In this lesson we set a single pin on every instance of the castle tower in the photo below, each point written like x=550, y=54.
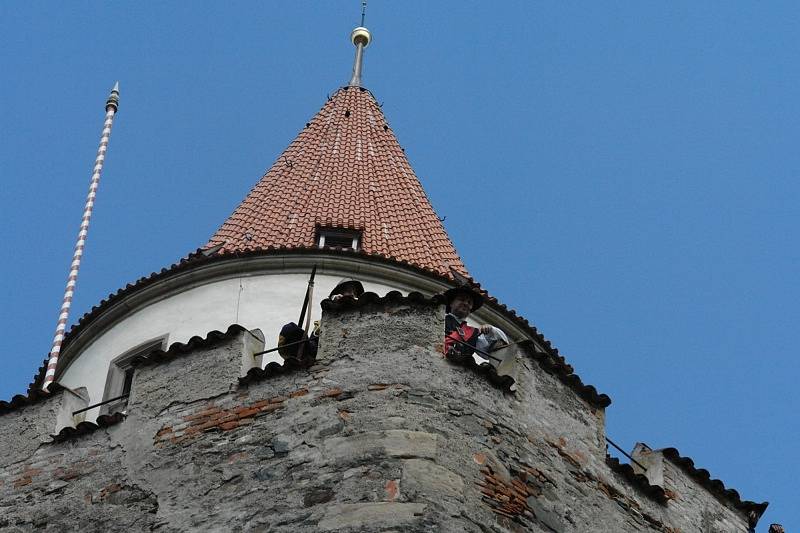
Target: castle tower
x=342, y=197
x=169, y=411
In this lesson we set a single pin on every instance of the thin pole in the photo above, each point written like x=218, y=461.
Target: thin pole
x=361, y=38
x=112, y=104
x=98, y=404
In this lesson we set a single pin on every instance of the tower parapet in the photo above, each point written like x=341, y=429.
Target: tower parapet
x=382, y=433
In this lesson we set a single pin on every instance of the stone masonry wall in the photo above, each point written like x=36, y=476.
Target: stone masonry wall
x=381, y=434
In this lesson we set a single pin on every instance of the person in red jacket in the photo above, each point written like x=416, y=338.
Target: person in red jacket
x=461, y=339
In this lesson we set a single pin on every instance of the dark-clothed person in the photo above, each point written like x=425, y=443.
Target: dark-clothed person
x=292, y=333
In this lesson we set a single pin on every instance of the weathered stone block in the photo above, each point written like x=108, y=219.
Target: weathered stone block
x=206, y=372
x=373, y=445
x=27, y=428
x=431, y=479
x=370, y=516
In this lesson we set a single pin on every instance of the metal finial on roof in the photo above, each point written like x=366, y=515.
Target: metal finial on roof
x=361, y=39
x=113, y=98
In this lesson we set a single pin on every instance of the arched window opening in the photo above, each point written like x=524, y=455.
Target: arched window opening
x=120, y=375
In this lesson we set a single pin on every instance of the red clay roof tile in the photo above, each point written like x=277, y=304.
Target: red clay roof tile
x=344, y=169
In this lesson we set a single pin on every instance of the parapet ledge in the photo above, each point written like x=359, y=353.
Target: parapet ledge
x=61, y=402
x=638, y=480
x=58, y=414
x=82, y=428
x=654, y=461
x=550, y=363
x=564, y=373
x=275, y=369
x=395, y=297
x=178, y=349
x=46, y=416
x=272, y=370
x=487, y=370
x=35, y=395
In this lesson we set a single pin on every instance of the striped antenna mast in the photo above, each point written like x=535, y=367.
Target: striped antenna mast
x=112, y=105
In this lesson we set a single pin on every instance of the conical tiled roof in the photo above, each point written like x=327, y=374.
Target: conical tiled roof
x=344, y=170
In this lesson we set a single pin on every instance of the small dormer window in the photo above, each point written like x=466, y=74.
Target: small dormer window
x=338, y=238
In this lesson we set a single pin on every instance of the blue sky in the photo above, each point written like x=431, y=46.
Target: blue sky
x=632, y=171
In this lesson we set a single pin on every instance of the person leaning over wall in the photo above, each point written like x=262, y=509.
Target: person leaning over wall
x=461, y=339
x=291, y=333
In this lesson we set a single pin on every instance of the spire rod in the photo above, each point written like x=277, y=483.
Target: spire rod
x=112, y=104
x=361, y=38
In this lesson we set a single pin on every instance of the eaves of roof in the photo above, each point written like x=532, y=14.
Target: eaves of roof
x=35, y=395
x=714, y=486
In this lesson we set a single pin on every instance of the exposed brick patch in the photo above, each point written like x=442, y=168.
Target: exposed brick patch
x=671, y=494
x=392, y=490
x=575, y=458
x=507, y=497
x=21, y=482
x=239, y=456
x=512, y=496
x=215, y=418
x=73, y=471
x=110, y=489
x=250, y=412
x=205, y=413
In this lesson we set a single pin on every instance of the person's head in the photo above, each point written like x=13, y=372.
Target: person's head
x=461, y=301
x=461, y=305
x=348, y=287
